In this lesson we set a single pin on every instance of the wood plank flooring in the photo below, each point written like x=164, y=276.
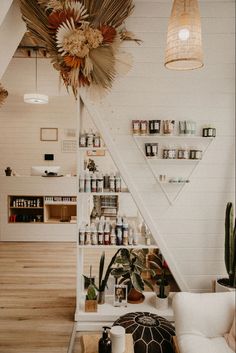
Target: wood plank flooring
x=37, y=296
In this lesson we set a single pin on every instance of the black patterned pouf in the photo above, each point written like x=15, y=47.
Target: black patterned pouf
x=151, y=333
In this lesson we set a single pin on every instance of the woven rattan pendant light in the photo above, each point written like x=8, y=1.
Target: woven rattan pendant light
x=184, y=42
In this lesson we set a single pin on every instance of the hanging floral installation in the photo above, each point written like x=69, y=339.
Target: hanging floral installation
x=3, y=94
x=82, y=37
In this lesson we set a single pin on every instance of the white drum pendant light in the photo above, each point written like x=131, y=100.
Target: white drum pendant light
x=36, y=98
x=184, y=39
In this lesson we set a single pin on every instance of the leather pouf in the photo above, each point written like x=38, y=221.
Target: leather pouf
x=151, y=333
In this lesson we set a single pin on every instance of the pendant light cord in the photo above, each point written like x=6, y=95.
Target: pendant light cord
x=36, y=69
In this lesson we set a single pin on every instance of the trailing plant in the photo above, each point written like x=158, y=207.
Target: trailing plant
x=159, y=263
x=103, y=279
x=130, y=264
x=230, y=244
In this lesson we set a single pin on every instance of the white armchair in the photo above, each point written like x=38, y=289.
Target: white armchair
x=201, y=320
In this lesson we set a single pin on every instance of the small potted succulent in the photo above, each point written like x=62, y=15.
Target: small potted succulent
x=229, y=284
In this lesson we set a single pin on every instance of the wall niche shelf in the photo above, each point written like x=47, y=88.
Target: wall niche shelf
x=159, y=165
x=47, y=209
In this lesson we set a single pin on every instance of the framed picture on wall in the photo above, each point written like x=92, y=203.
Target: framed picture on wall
x=48, y=134
x=120, y=295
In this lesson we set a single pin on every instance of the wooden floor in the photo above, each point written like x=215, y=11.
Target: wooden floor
x=37, y=296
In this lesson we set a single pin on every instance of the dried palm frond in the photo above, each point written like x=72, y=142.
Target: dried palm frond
x=3, y=94
x=83, y=38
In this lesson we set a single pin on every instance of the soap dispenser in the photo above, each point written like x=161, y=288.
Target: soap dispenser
x=104, y=344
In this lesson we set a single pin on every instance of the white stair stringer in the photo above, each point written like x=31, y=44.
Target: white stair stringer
x=12, y=29
x=96, y=113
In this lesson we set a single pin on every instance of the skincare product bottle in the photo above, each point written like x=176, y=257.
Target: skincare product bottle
x=104, y=344
x=125, y=231
x=112, y=182
x=94, y=234
x=119, y=231
x=87, y=235
x=107, y=233
x=87, y=182
x=117, y=182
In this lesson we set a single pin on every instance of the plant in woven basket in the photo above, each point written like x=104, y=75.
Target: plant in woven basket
x=82, y=37
x=3, y=94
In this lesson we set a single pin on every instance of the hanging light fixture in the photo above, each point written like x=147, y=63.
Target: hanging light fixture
x=184, y=42
x=36, y=98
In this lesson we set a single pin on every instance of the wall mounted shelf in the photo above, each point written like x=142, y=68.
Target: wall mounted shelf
x=157, y=164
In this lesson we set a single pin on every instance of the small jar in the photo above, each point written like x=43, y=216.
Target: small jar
x=195, y=154
x=181, y=127
x=154, y=127
x=148, y=150
x=143, y=127
x=136, y=127
x=172, y=153
x=97, y=140
x=209, y=132
x=154, y=149
x=183, y=153
x=82, y=140
x=168, y=127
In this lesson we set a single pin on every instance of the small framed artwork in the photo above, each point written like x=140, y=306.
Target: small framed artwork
x=120, y=295
x=48, y=134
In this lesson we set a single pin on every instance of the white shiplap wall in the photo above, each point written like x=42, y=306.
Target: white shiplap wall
x=193, y=228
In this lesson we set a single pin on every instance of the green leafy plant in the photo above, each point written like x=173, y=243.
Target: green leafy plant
x=157, y=262
x=130, y=264
x=230, y=246
x=103, y=279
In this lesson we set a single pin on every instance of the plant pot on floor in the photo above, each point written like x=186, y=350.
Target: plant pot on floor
x=222, y=285
x=161, y=303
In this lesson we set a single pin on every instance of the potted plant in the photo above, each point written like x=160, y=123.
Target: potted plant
x=102, y=280
x=156, y=261
x=91, y=296
x=226, y=284
x=130, y=264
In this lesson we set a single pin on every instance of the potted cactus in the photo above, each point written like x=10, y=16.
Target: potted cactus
x=226, y=284
x=91, y=302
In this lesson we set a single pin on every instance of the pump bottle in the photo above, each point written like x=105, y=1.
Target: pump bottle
x=104, y=344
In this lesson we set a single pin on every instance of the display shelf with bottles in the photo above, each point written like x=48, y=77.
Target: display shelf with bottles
x=41, y=209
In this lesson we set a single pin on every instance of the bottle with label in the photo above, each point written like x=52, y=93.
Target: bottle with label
x=107, y=233
x=104, y=344
x=99, y=182
x=90, y=136
x=94, y=234
x=117, y=182
x=87, y=235
x=100, y=233
x=96, y=140
x=106, y=182
x=113, y=234
x=130, y=236
x=82, y=234
x=81, y=182
x=87, y=182
x=119, y=225
x=125, y=239
x=94, y=183
x=112, y=182
x=82, y=140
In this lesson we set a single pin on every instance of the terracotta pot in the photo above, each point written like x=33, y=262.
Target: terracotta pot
x=135, y=297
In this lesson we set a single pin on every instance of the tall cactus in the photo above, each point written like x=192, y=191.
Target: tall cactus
x=230, y=244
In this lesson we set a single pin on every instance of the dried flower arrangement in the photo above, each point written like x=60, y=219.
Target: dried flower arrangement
x=82, y=37
x=3, y=94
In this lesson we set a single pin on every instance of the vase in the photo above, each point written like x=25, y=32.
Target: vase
x=135, y=297
x=101, y=297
